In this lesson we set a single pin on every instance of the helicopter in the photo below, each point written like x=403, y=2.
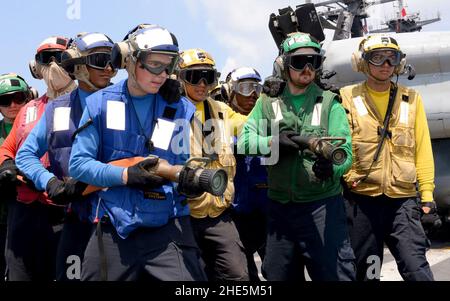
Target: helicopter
x=427, y=55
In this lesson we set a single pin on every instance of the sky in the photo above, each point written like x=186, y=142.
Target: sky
x=234, y=32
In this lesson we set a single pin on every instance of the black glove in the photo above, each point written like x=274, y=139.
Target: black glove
x=65, y=192
x=431, y=219
x=273, y=86
x=171, y=90
x=284, y=142
x=8, y=173
x=140, y=177
x=323, y=169
x=185, y=181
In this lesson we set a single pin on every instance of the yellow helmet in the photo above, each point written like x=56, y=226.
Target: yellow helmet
x=196, y=56
x=374, y=42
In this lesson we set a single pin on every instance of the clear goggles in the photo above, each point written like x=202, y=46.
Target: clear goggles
x=379, y=57
x=248, y=88
x=298, y=62
x=155, y=66
x=196, y=76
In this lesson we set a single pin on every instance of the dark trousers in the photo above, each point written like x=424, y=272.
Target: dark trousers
x=312, y=233
x=31, y=241
x=374, y=221
x=167, y=253
x=72, y=244
x=2, y=252
x=252, y=228
x=221, y=248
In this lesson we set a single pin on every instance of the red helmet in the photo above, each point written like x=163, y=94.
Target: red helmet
x=53, y=43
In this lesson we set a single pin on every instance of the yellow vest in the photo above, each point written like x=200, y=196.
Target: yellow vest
x=394, y=174
x=226, y=123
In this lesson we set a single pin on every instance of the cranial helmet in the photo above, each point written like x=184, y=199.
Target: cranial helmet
x=49, y=49
x=79, y=55
x=370, y=44
x=143, y=42
x=237, y=76
x=12, y=83
x=197, y=66
x=292, y=43
x=196, y=56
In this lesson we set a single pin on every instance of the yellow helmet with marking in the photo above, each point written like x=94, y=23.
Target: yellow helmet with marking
x=196, y=56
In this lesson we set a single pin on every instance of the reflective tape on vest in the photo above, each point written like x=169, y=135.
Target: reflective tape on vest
x=404, y=113
x=276, y=106
x=360, y=106
x=31, y=115
x=61, y=119
x=317, y=115
x=115, y=116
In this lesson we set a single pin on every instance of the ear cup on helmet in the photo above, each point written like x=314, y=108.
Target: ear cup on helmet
x=279, y=67
x=400, y=69
x=357, y=62
x=67, y=60
x=33, y=70
x=225, y=91
x=33, y=93
x=119, y=55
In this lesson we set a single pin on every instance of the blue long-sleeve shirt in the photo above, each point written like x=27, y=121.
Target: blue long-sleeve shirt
x=35, y=146
x=84, y=151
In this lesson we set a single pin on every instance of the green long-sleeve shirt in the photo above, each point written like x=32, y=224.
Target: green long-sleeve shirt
x=255, y=140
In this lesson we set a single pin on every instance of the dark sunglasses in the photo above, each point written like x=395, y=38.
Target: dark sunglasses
x=46, y=57
x=18, y=97
x=98, y=60
x=195, y=76
x=298, y=62
x=378, y=58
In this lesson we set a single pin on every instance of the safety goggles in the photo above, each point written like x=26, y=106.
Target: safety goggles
x=248, y=88
x=378, y=58
x=196, y=76
x=18, y=97
x=47, y=56
x=298, y=62
x=157, y=67
x=98, y=60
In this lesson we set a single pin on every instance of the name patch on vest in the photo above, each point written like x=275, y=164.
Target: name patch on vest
x=162, y=135
x=317, y=115
x=115, y=115
x=61, y=119
x=277, y=111
x=360, y=106
x=404, y=113
x=31, y=115
x=153, y=195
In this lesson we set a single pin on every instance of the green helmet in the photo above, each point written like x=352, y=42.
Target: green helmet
x=12, y=83
x=300, y=40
